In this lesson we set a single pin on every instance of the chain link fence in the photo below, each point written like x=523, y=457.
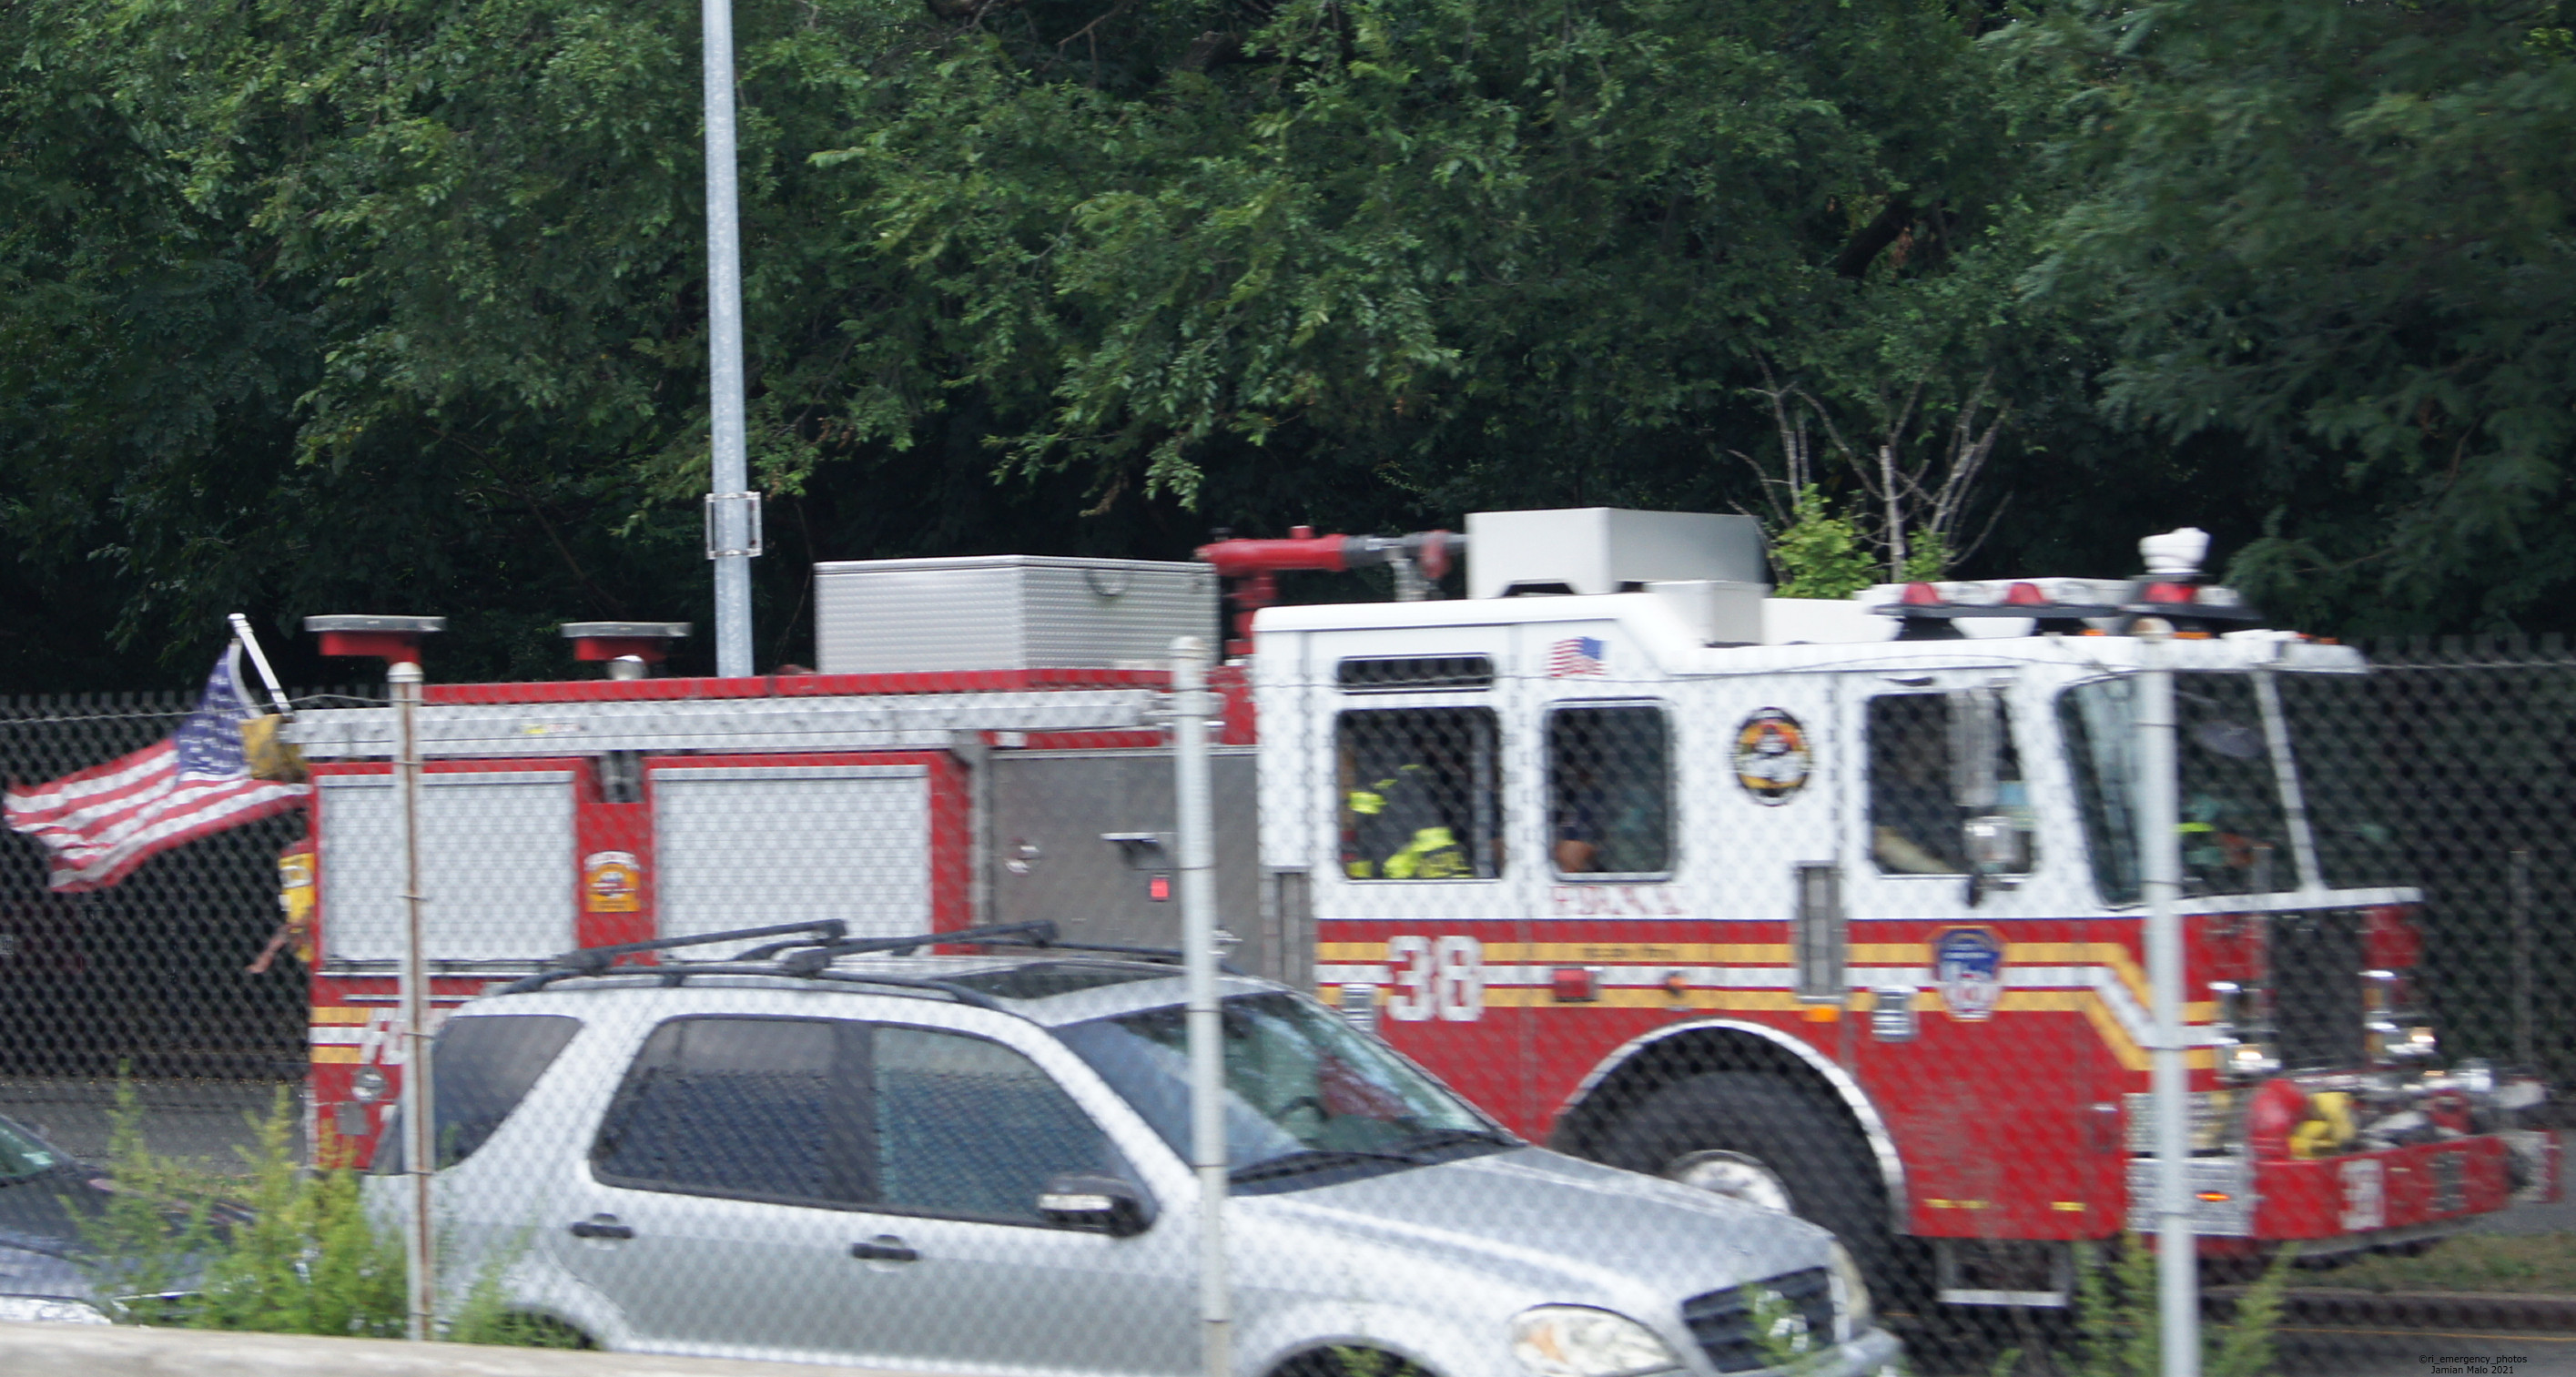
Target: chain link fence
x=1855, y=940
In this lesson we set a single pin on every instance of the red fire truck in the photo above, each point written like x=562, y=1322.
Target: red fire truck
x=1831, y=905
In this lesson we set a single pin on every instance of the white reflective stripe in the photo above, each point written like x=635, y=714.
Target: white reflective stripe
x=1352, y=975
x=1706, y=977
x=340, y=1034
x=2102, y=980
x=2299, y=899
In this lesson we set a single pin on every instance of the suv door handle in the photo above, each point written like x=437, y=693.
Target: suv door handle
x=885, y=1248
x=601, y=1226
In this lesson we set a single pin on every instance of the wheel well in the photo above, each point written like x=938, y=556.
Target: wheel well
x=1350, y=1360
x=530, y=1329
x=1584, y=1127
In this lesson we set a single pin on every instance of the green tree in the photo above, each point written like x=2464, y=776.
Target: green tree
x=394, y=304
x=2338, y=236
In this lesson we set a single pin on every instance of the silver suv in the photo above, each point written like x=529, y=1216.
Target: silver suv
x=834, y=1151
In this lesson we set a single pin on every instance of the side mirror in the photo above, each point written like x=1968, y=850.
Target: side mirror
x=1997, y=846
x=1100, y=1204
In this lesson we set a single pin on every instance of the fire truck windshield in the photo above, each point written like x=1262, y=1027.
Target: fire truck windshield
x=1302, y=1089
x=2340, y=730
x=2235, y=835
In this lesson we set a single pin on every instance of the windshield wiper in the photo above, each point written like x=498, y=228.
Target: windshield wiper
x=1454, y=1137
x=1314, y=1159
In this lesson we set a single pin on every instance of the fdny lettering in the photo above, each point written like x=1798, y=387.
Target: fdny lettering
x=1661, y=955
x=1586, y=901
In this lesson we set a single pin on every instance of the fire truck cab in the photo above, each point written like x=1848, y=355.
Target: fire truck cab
x=1831, y=905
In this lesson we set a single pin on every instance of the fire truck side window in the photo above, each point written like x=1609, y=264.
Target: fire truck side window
x=1609, y=791
x=1936, y=760
x=1913, y=823
x=1420, y=794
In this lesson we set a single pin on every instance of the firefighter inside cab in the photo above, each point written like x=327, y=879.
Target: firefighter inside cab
x=1417, y=796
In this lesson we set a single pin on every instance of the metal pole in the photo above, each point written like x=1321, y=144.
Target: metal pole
x=2526, y=1048
x=259, y=661
x=730, y=541
x=419, y=1138
x=2160, y=875
x=1195, y=825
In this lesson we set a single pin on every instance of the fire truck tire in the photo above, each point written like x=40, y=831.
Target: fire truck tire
x=1809, y=1148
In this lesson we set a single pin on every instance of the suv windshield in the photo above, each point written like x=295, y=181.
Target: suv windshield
x=2235, y=836
x=1308, y=1099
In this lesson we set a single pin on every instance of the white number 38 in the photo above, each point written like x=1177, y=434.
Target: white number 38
x=1437, y=978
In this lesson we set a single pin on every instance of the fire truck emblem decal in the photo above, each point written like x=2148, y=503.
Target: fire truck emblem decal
x=612, y=882
x=1968, y=964
x=1772, y=759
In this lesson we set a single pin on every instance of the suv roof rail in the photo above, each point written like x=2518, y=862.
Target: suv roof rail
x=1037, y=934
x=811, y=948
x=591, y=960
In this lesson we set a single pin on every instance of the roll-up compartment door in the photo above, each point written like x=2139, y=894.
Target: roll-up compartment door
x=496, y=865
x=748, y=846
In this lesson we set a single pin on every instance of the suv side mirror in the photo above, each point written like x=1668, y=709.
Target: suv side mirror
x=1101, y=1204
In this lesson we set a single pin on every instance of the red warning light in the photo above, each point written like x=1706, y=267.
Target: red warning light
x=2169, y=592
x=1159, y=888
x=2025, y=595
x=1921, y=595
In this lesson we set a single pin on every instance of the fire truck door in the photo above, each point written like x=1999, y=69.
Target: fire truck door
x=752, y=845
x=1050, y=857
x=1953, y=909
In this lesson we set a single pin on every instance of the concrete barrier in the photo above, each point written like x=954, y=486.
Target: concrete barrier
x=93, y=1350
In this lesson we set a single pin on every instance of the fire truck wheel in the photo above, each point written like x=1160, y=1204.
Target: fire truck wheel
x=1761, y=1139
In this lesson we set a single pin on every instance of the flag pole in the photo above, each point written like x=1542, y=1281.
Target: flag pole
x=259, y=661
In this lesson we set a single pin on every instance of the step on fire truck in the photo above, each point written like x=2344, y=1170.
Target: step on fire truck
x=1830, y=905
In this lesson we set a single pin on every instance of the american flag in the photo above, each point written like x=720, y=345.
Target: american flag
x=1576, y=655
x=102, y=822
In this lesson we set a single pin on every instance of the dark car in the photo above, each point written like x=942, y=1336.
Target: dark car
x=41, y=1187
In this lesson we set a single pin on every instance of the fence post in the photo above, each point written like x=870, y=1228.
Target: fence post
x=419, y=1137
x=2160, y=877
x=1195, y=823
x=2526, y=1049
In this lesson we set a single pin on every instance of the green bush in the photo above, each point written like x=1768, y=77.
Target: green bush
x=287, y=1250
x=2116, y=1310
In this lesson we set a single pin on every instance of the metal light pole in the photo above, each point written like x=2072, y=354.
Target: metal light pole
x=733, y=510
x=2160, y=876
x=419, y=1135
x=1195, y=824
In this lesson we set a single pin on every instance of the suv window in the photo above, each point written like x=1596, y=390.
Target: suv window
x=753, y=1108
x=482, y=1066
x=970, y=1127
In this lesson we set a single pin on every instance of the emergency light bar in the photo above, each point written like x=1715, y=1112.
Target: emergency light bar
x=396, y=640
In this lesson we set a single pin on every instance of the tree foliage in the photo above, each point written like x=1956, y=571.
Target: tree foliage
x=2340, y=234
x=395, y=305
